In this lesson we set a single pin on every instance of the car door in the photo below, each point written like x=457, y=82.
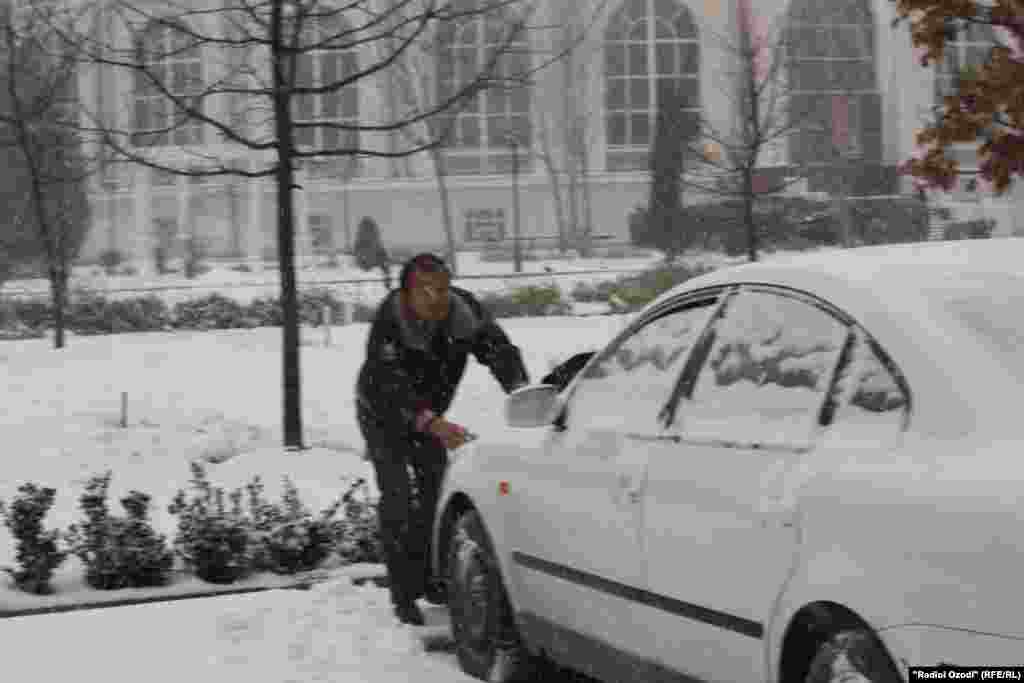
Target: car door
x=720, y=533
x=579, y=549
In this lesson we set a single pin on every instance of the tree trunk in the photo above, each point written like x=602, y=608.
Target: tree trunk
x=59, y=293
x=441, y=174
x=53, y=244
x=584, y=170
x=285, y=177
x=748, y=213
x=547, y=156
x=568, y=143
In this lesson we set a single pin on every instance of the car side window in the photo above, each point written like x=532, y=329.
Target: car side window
x=627, y=385
x=766, y=374
x=870, y=399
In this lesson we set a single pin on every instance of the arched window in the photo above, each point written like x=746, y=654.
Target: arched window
x=482, y=135
x=835, y=101
x=171, y=61
x=650, y=46
x=325, y=58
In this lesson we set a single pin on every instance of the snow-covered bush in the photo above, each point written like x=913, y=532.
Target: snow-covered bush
x=139, y=314
x=357, y=532
x=264, y=313
x=38, y=554
x=214, y=311
x=532, y=300
x=118, y=552
x=287, y=539
x=636, y=291
x=36, y=315
x=110, y=260
x=213, y=540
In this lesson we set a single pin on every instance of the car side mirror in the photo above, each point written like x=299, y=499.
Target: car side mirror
x=532, y=406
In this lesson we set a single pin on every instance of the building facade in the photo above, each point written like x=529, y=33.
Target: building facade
x=570, y=148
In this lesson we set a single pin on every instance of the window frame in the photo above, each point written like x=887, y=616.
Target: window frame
x=319, y=52
x=478, y=154
x=711, y=297
x=826, y=409
x=627, y=155
x=862, y=142
x=147, y=97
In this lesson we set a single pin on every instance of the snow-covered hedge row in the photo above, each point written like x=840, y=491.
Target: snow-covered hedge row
x=220, y=538
x=92, y=313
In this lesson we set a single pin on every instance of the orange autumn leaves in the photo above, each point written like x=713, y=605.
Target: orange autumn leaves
x=988, y=107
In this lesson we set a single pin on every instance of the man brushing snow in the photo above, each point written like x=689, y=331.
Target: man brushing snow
x=416, y=356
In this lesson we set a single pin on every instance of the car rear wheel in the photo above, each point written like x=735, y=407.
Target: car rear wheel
x=487, y=640
x=854, y=656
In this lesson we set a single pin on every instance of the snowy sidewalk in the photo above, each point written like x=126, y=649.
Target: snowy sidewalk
x=336, y=631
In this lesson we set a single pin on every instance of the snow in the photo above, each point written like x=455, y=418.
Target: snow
x=336, y=631
x=347, y=281
x=213, y=396
x=216, y=396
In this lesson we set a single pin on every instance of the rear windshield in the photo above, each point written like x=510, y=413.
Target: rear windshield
x=991, y=307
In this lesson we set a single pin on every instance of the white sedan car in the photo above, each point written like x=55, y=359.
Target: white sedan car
x=810, y=469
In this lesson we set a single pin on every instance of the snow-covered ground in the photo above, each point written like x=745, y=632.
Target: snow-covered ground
x=216, y=396
x=335, y=632
x=211, y=396
x=476, y=274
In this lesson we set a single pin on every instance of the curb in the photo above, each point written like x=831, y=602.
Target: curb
x=377, y=580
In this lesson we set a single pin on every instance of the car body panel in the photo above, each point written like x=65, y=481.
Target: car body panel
x=580, y=531
x=934, y=518
x=888, y=529
x=740, y=545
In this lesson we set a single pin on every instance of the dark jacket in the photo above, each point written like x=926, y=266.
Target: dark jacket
x=406, y=370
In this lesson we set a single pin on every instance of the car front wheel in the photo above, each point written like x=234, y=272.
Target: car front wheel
x=854, y=656
x=487, y=640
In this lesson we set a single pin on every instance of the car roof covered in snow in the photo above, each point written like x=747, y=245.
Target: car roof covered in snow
x=882, y=266
x=887, y=290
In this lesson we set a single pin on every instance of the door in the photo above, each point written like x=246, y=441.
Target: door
x=721, y=532
x=579, y=559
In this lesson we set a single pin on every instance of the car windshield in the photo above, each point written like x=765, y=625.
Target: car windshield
x=991, y=307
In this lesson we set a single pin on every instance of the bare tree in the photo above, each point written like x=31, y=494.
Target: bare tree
x=756, y=84
x=414, y=85
x=417, y=84
x=38, y=120
x=772, y=110
x=279, y=89
x=566, y=135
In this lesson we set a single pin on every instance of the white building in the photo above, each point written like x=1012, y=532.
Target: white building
x=609, y=90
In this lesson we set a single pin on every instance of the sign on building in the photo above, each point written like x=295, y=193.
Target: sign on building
x=484, y=225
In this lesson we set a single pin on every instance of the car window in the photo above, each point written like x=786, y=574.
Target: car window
x=628, y=384
x=767, y=371
x=870, y=402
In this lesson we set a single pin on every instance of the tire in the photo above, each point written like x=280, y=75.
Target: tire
x=854, y=656
x=487, y=641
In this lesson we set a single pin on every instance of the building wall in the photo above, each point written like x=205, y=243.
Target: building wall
x=139, y=207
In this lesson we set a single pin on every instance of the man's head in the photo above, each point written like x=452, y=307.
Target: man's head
x=425, y=283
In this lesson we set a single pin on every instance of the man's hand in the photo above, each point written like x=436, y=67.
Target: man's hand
x=450, y=434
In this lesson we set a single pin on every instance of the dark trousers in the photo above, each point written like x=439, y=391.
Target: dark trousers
x=407, y=519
